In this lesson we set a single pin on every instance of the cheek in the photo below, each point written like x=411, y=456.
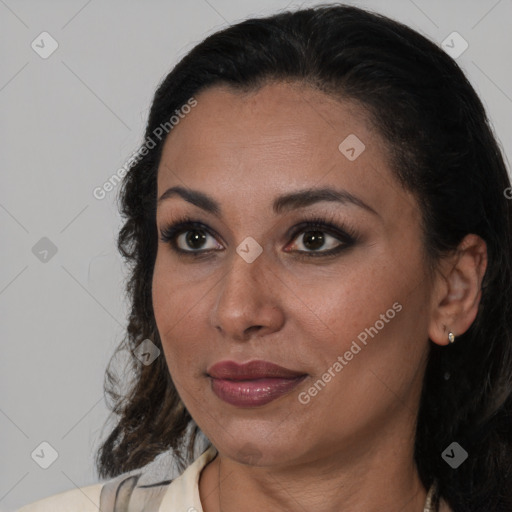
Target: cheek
x=346, y=306
x=372, y=348
x=178, y=319
x=368, y=318
x=172, y=297
x=168, y=311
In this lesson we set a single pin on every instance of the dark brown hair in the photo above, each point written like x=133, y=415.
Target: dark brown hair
x=443, y=151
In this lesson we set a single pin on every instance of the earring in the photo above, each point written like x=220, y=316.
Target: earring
x=451, y=337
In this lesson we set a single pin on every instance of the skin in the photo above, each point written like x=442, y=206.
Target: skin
x=351, y=447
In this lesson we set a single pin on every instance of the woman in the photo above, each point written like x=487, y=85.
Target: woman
x=319, y=236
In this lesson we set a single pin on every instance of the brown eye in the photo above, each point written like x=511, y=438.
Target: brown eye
x=188, y=236
x=316, y=240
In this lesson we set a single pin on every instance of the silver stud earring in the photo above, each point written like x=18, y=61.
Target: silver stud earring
x=451, y=337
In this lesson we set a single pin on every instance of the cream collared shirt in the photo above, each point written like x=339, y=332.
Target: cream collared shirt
x=124, y=494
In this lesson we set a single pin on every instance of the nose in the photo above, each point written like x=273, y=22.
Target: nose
x=248, y=300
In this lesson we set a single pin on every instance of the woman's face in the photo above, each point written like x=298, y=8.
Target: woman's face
x=353, y=323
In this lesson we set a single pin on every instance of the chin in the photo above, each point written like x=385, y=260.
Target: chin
x=260, y=453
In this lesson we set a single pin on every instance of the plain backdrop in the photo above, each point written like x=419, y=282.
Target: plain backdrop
x=68, y=122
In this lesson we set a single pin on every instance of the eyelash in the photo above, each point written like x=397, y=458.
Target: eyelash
x=345, y=232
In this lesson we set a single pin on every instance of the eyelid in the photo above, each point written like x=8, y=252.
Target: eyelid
x=173, y=230
x=344, y=232
x=327, y=223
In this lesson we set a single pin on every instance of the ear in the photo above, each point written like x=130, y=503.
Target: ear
x=457, y=290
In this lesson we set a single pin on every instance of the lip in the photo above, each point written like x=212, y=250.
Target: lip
x=252, y=384
x=256, y=369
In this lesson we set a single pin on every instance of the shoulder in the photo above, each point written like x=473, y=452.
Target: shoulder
x=114, y=495
x=82, y=499
x=137, y=490
x=117, y=494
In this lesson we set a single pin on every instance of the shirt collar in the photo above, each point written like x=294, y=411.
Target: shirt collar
x=183, y=492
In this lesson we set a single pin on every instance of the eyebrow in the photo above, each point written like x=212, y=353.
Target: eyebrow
x=282, y=204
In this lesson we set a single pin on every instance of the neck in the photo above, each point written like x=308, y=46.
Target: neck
x=369, y=480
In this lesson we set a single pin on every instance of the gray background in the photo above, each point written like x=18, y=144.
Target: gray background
x=67, y=124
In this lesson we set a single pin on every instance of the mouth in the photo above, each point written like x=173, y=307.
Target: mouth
x=252, y=384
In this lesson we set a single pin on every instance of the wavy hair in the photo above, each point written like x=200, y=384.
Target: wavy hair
x=443, y=151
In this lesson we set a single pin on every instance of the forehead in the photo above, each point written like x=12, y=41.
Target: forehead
x=279, y=120
x=282, y=137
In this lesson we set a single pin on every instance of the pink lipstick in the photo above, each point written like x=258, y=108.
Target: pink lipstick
x=252, y=384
